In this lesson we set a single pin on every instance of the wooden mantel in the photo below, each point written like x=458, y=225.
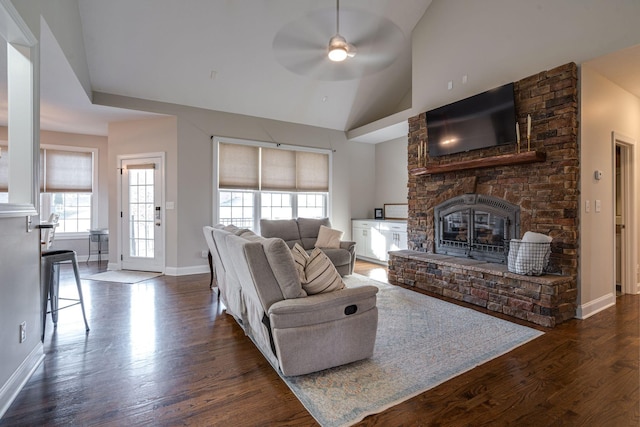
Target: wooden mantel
x=486, y=162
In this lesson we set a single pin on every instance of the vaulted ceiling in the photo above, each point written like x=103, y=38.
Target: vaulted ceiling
x=263, y=58
x=258, y=58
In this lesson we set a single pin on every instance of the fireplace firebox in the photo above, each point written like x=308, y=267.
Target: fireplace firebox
x=476, y=226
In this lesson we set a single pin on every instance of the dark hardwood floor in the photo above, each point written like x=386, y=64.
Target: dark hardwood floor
x=162, y=352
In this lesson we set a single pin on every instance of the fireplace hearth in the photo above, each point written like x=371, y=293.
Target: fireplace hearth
x=476, y=226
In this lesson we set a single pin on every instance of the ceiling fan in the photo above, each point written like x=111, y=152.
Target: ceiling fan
x=301, y=45
x=338, y=48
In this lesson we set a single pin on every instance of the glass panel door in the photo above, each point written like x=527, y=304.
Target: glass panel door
x=142, y=215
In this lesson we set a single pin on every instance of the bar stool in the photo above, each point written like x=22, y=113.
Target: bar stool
x=50, y=273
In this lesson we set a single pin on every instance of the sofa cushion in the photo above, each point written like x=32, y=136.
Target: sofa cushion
x=309, y=229
x=247, y=234
x=338, y=256
x=281, y=262
x=328, y=238
x=320, y=274
x=286, y=229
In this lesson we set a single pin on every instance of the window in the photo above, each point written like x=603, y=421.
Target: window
x=4, y=173
x=66, y=187
x=74, y=210
x=256, y=181
x=276, y=205
x=236, y=207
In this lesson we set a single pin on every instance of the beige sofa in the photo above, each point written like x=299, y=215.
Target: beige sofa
x=296, y=332
x=304, y=231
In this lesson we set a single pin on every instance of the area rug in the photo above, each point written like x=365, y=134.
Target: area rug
x=123, y=276
x=421, y=342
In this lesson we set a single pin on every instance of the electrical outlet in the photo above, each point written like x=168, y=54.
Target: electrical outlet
x=23, y=332
x=205, y=254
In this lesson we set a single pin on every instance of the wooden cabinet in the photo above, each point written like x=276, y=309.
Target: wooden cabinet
x=375, y=238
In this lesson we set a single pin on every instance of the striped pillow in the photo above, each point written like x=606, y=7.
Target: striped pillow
x=320, y=274
x=300, y=257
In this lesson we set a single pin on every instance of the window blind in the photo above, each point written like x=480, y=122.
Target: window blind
x=271, y=169
x=238, y=166
x=278, y=170
x=312, y=171
x=4, y=168
x=66, y=171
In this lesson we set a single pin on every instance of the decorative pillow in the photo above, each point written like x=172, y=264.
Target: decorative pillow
x=328, y=238
x=300, y=257
x=320, y=274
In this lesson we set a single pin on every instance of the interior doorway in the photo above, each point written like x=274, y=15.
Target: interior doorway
x=141, y=213
x=625, y=280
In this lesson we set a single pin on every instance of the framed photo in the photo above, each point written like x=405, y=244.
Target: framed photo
x=377, y=213
x=396, y=211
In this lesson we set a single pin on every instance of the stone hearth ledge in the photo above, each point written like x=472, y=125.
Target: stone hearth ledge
x=546, y=300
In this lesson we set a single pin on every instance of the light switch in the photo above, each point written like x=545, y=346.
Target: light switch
x=587, y=206
x=169, y=205
x=598, y=206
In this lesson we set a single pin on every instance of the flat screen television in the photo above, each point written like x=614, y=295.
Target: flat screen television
x=484, y=120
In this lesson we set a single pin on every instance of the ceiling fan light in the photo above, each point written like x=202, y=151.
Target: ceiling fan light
x=337, y=54
x=337, y=48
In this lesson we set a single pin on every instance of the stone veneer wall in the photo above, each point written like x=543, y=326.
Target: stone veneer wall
x=546, y=192
x=544, y=300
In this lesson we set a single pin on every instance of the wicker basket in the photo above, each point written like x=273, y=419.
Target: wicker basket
x=528, y=258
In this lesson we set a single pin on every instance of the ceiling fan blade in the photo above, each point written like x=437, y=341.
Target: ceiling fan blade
x=351, y=50
x=301, y=45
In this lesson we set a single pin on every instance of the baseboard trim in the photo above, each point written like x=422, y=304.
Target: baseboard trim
x=595, y=306
x=19, y=378
x=185, y=271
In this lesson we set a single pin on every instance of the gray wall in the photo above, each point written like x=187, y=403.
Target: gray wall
x=190, y=168
x=391, y=172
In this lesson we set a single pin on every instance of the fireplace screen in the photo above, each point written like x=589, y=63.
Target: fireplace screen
x=476, y=226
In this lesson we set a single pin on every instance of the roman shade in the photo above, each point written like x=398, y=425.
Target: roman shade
x=239, y=167
x=245, y=167
x=63, y=171
x=4, y=168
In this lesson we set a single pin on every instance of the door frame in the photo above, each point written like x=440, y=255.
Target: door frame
x=120, y=245
x=629, y=238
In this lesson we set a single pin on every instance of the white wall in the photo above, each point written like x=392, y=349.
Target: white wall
x=604, y=108
x=189, y=181
x=494, y=42
x=391, y=172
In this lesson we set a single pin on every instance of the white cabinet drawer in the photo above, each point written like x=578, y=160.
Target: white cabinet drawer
x=363, y=224
x=393, y=226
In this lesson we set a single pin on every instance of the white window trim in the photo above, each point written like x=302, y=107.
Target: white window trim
x=216, y=140
x=94, y=192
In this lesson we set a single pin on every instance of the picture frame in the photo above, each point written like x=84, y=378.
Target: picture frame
x=396, y=211
x=378, y=213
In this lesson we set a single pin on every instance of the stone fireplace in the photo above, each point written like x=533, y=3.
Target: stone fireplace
x=476, y=226
x=451, y=251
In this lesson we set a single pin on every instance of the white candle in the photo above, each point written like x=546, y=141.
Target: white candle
x=528, y=126
x=517, y=132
